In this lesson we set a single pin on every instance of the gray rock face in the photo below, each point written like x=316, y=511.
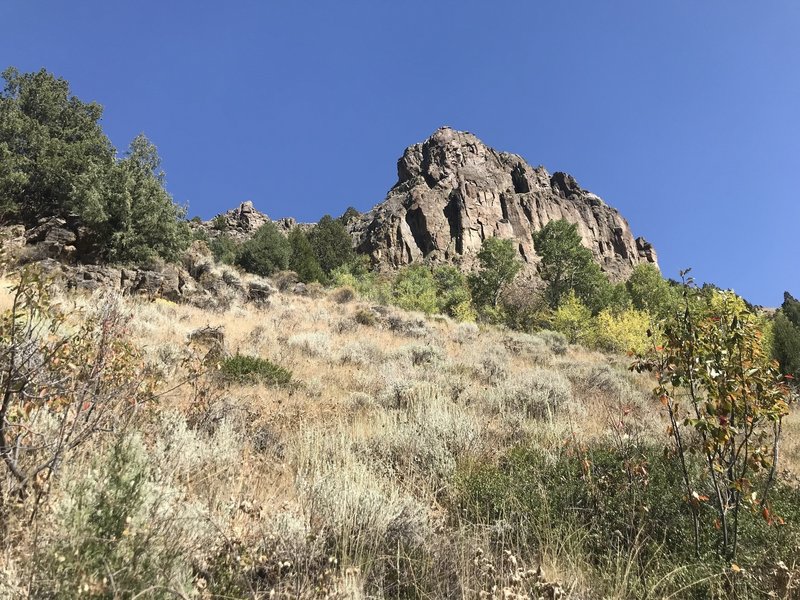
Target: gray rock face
x=453, y=192
x=242, y=222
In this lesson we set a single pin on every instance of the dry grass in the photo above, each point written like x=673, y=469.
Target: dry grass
x=335, y=486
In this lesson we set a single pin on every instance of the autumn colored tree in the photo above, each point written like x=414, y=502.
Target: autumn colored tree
x=721, y=389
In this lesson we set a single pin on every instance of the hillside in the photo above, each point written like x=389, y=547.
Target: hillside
x=376, y=471
x=482, y=388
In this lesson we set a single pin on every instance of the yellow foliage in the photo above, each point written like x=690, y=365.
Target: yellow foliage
x=465, y=312
x=573, y=319
x=625, y=331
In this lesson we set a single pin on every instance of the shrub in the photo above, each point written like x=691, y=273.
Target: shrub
x=557, y=342
x=362, y=353
x=718, y=386
x=523, y=306
x=625, y=331
x=530, y=347
x=219, y=222
x=414, y=288
x=225, y=249
x=117, y=532
x=452, y=292
x=266, y=252
x=365, y=316
x=573, y=319
x=331, y=243
x=241, y=368
x=313, y=343
x=368, y=284
x=285, y=280
x=422, y=354
x=62, y=383
x=536, y=394
x=609, y=501
x=343, y=295
x=367, y=521
x=465, y=332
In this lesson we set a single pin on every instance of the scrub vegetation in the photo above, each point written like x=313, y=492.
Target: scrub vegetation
x=348, y=433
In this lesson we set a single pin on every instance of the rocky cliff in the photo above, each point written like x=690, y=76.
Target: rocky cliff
x=242, y=222
x=453, y=192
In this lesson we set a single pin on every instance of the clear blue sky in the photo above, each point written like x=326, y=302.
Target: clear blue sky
x=685, y=115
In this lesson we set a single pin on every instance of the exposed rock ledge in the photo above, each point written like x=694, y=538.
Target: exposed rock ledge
x=453, y=192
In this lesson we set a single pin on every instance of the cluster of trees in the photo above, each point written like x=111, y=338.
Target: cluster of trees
x=786, y=336
x=314, y=254
x=574, y=296
x=55, y=160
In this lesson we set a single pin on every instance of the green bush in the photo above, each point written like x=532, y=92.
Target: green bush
x=332, y=244
x=225, y=249
x=414, y=288
x=620, y=500
x=55, y=160
x=452, y=292
x=116, y=533
x=650, y=292
x=219, y=222
x=267, y=252
x=242, y=368
x=302, y=259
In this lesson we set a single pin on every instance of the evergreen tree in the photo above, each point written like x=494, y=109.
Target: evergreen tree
x=225, y=249
x=791, y=308
x=567, y=265
x=350, y=215
x=266, y=252
x=302, y=259
x=331, y=243
x=786, y=337
x=55, y=160
x=143, y=219
x=54, y=157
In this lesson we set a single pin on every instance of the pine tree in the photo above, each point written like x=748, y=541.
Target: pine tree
x=302, y=259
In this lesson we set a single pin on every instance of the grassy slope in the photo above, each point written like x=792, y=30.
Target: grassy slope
x=331, y=485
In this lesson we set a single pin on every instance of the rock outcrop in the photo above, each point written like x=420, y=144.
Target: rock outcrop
x=242, y=222
x=453, y=192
